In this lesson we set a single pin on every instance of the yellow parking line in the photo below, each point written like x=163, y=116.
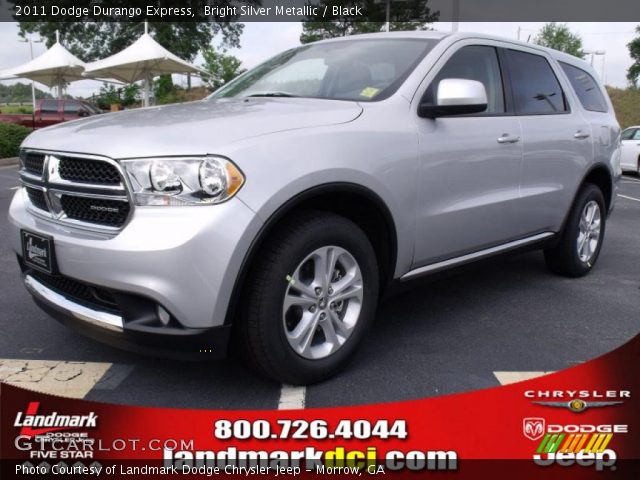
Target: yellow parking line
x=67, y=379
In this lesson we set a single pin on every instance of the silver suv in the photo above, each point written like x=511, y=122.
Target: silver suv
x=273, y=215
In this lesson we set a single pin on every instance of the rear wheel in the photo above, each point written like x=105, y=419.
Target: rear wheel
x=310, y=299
x=579, y=246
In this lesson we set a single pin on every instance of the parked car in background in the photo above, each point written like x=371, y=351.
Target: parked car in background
x=278, y=210
x=630, y=155
x=50, y=112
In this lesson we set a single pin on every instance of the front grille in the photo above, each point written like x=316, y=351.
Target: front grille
x=88, y=171
x=112, y=213
x=37, y=198
x=33, y=162
x=79, y=292
x=84, y=190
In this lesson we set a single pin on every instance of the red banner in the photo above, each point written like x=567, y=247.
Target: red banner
x=582, y=422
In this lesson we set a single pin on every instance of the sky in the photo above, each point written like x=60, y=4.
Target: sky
x=262, y=40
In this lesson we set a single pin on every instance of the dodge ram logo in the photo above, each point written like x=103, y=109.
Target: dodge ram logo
x=533, y=428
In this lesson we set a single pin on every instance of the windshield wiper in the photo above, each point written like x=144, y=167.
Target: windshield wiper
x=272, y=94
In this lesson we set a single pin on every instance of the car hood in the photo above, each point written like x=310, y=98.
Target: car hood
x=194, y=128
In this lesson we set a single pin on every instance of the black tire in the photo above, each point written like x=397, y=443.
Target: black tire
x=564, y=259
x=261, y=331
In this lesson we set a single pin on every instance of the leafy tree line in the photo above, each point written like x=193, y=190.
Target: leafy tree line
x=19, y=93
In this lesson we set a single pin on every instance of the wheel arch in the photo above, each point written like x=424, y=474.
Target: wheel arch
x=600, y=176
x=357, y=203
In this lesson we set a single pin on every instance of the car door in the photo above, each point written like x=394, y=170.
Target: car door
x=556, y=139
x=630, y=152
x=469, y=165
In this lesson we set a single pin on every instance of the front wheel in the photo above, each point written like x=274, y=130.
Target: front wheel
x=311, y=297
x=581, y=240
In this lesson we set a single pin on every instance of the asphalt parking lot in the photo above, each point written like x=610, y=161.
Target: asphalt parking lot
x=441, y=336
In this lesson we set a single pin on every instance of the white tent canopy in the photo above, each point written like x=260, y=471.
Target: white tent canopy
x=54, y=68
x=142, y=60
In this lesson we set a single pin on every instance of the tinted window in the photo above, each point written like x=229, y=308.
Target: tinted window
x=71, y=107
x=536, y=89
x=49, y=106
x=478, y=63
x=586, y=88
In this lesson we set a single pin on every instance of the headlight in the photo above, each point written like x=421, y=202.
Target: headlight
x=183, y=181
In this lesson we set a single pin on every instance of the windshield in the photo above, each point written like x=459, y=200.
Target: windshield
x=362, y=70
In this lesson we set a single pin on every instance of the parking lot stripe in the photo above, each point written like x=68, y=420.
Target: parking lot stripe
x=292, y=398
x=629, y=198
x=505, y=378
x=67, y=379
x=629, y=180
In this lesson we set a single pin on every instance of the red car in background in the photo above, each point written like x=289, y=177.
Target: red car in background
x=50, y=112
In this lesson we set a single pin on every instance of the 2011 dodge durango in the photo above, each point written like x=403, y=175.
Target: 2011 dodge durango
x=272, y=215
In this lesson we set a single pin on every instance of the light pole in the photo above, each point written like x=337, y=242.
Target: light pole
x=456, y=16
x=387, y=23
x=593, y=53
x=33, y=86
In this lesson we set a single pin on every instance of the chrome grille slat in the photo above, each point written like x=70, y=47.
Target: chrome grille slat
x=85, y=191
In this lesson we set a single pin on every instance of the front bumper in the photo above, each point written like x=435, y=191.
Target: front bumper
x=184, y=259
x=144, y=335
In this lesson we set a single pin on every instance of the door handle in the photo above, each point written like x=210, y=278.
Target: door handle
x=580, y=135
x=506, y=138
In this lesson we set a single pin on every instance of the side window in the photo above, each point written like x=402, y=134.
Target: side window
x=475, y=62
x=49, y=106
x=536, y=89
x=71, y=107
x=586, y=88
x=629, y=133
x=636, y=136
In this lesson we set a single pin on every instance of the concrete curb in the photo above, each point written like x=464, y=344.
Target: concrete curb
x=8, y=162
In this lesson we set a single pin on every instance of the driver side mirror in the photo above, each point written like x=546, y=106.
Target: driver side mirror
x=456, y=96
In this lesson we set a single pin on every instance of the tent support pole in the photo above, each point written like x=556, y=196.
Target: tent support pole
x=146, y=90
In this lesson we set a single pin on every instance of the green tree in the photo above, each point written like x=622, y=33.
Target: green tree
x=221, y=68
x=108, y=95
x=633, y=74
x=164, y=90
x=559, y=37
x=19, y=92
x=406, y=15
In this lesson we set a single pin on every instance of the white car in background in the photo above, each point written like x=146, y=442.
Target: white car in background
x=630, y=158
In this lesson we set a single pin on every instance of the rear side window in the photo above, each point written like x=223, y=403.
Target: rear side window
x=536, y=88
x=631, y=134
x=49, y=106
x=586, y=88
